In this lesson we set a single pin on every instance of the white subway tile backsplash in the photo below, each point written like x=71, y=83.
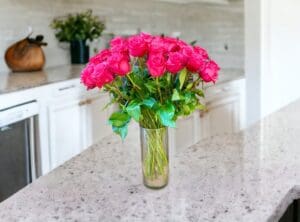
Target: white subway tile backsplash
x=212, y=25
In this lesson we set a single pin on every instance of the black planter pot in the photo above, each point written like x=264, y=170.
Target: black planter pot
x=79, y=52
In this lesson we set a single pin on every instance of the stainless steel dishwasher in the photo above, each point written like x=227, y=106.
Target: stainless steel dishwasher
x=17, y=147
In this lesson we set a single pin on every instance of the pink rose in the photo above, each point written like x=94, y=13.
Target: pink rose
x=186, y=52
x=119, y=64
x=96, y=75
x=100, y=57
x=175, y=62
x=201, y=51
x=156, y=64
x=102, y=74
x=137, y=46
x=146, y=37
x=209, y=72
x=157, y=45
x=181, y=43
x=119, y=45
x=196, y=58
x=171, y=44
x=87, y=77
x=195, y=62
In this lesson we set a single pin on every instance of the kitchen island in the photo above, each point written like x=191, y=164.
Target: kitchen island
x=249, y=176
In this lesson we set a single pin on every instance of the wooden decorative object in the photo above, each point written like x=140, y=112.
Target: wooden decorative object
x=26, y=55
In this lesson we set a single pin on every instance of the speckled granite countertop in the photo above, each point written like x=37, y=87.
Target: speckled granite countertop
x=251, y=176
x=11, y=82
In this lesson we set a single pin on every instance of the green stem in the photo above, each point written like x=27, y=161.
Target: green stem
x=196, y=83
x=156, y=161
x=132, y=82
x=158, y=88
x=141, y=63
x=117, y=91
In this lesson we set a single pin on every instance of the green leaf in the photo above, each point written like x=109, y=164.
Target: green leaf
x=200, y=106
x=199, y=92
x=188, y=97
x=175, y=95
x=151, y=86
x=122, y=131
x=119, y=119
x=149, y=102
x=134, y=110
x=166, y=114
x=186, y=109
x=182, y=77
x=190, y=85
x=169, y=76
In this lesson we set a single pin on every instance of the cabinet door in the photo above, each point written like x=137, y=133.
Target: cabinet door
x=187, y=132
x=222, y=116
x=66, y=130
x=97, y=118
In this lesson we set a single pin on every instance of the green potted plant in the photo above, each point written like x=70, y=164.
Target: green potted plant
x=77, y=29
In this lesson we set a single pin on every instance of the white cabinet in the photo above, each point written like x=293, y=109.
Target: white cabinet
x=65, y=120
x=187, y=131
x=97, y=118
x=224, y=114
x=76, y=120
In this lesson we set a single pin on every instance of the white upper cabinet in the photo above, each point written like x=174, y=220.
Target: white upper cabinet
x=196, y=1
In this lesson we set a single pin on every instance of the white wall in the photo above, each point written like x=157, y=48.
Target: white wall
x=284, y=55
x=272, y=55
x=253, y=60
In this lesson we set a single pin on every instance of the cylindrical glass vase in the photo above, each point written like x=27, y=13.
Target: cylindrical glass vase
x=155, y=157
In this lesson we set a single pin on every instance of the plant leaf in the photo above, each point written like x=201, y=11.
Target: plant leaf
x=151, y=86
x=188, y=97
x=119, y=119
x=134, y=110
x=182, y=77
x=186, y=109
x=166, y=114
x=200, y=106
x=190, y=85
x=122, y=131
x=149, y=102
x=175, y=95
x=199, y=92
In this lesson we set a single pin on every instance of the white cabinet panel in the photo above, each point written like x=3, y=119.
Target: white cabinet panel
x=65, y=131
x=75, y=124
x=185, y=132
x=97, y=119
x=222, y=116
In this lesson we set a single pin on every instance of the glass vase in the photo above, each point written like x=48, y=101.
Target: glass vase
x=155, y=157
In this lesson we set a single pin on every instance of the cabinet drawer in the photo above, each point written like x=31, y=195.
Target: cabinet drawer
x=68, y=89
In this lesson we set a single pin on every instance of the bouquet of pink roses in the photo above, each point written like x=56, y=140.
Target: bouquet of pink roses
x=150, y=77
x=153, y=79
